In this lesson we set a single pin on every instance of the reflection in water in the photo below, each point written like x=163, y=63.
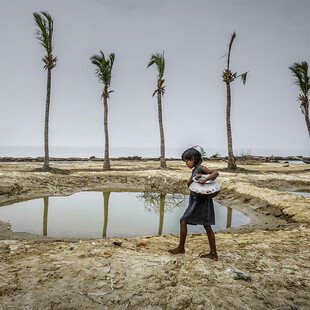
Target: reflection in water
x=45, y=216
x=152, y=201
x=106, y=198
x=162, y=199
x=301, y=193
x=87, y=214
x=160, y=203
x=229, y=217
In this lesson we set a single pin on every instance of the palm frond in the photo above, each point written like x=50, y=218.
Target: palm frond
x=243, y=77
x=300, y=72
x=159, y=60
x=112, y=57
x=151, y=62
x=41, y=33
x=45, y=30
x=103, y=67
x=233, y=36
x=225, y=55
x=50, y=27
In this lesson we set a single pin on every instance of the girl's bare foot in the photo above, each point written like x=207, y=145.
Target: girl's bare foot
x=177, y=250
x=209, y=255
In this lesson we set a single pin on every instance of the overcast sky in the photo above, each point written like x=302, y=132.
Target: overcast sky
x=271, y=36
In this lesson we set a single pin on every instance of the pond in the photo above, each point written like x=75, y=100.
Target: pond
x=109, y=214
x=303, y=194
x=293, y=162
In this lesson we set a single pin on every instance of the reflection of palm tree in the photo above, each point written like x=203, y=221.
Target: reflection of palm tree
x=152, y=201
x=106, y=197
x=229, y=217
x=45, y=216
x=161, y=213
x=159, y=203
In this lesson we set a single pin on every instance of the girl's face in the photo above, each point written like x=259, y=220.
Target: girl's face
x=190, y=163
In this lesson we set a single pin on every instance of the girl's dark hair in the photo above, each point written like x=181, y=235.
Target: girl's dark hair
x=192, y=154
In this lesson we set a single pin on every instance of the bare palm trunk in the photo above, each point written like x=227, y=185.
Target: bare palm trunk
x=106, y=162
x=307, y=119
x=47, y=111
x=161, y=130
x=231, y=158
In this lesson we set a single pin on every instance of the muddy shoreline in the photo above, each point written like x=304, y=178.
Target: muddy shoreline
x=47, y=273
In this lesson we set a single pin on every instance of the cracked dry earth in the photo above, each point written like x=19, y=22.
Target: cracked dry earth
x=261, y=267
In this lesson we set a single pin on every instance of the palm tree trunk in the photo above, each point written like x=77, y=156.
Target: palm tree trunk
x=47, y=111
x=161, y=130
x=231, y=158
x=307, y=118
x=106, y=162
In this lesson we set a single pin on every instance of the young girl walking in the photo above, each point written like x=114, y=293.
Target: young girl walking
x=200, y=210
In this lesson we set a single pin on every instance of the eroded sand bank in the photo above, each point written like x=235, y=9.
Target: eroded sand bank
x=96, y=274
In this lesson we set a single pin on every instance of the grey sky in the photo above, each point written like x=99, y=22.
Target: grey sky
x=194, y=34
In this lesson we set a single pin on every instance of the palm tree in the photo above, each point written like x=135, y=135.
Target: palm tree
x=159, y=61
x=300, y=72
x=229, y=77
x=45, y=35
x=104, y=73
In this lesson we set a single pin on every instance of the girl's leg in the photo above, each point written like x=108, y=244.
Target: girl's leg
x=211, y=238
x=183, y=233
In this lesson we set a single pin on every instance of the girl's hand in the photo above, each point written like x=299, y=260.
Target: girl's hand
x=202, y=180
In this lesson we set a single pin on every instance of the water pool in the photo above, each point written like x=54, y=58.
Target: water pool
x=109, y=214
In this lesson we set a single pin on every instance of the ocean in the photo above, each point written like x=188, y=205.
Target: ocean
x=147, y=152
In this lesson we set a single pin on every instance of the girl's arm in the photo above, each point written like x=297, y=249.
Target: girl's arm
x=213, y=174
x=189, y=182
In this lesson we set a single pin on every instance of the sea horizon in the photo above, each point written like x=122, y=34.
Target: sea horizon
x=153, y=152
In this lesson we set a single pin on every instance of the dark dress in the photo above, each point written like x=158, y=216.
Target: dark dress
x=200, y=210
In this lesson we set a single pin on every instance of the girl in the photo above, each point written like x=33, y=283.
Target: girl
x=200, y=210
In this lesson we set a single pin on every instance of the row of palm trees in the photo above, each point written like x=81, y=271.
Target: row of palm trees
x=104, y=66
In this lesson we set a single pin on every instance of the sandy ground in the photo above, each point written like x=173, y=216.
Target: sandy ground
x=272, y=254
